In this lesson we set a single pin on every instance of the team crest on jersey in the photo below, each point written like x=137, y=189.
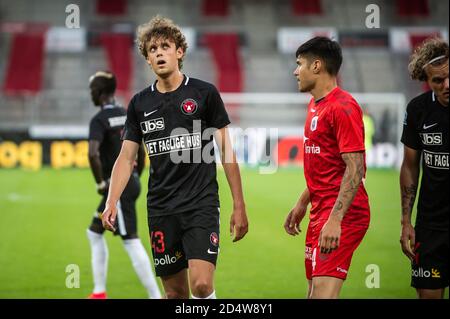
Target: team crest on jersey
x=214, y=239
x=189, y=106
x=313, y=126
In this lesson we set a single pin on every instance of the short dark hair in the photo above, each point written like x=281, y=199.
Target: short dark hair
x=105, y=81
x=327, y=50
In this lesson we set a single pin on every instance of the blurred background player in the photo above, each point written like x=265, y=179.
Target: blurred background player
x=104, y=146
x=425, y=135
x=334, y=167
x=183, y=200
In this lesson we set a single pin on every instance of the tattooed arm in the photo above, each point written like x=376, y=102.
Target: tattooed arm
x=353, y=176
x=331, y=232
x=409, y=178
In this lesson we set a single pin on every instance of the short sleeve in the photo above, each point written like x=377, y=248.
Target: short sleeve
x=349, y=127
x=410, y=137
x=131, y=130
x=216, y=115
x=96, y=130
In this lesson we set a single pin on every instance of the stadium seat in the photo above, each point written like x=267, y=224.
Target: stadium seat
x=25, y=63
x=215, y=8
x=120, y=60
x=111, y=7
x=407, y=8
x=309, y=7
x=225, y=51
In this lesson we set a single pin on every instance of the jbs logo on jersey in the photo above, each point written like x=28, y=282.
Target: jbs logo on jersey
x=431, y=138
x=152, y=125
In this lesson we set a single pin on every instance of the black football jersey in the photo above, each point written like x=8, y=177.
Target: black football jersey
x=106, y=127
x=177, y=129
x=426, y=129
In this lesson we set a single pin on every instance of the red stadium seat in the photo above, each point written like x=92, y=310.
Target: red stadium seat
x=111, y=7
x=216, y=8
x=24, y=71
x=225, y=50
x=120, y=60
x=416, y=39
x=306, y=7
x=407, y=8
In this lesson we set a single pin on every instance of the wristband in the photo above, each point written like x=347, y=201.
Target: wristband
x=101, y=185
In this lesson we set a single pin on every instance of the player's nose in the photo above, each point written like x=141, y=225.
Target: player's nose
x=159, y=51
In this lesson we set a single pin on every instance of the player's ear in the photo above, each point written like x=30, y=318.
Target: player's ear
x=316, y=66
x=148, y=60
x=180, y=53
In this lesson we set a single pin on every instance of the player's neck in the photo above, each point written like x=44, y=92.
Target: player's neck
x=443, y=103
x=107, y=101
x=170, y=83
x=323, y=87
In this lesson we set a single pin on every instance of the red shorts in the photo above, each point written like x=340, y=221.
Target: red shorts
x=337, y=263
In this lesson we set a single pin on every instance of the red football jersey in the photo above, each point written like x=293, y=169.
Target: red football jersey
x=333, y=126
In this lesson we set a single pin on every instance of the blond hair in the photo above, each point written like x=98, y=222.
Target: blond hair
x=424, y=54
x=160, y=27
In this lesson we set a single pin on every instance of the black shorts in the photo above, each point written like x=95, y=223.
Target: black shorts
x=126, y=221
x=177, y=238
x=431, y=263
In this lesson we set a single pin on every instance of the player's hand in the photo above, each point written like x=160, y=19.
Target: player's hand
x=408, y=240
x=293, y=220
x=109, y=217
x=330, y=235
x=238, y=224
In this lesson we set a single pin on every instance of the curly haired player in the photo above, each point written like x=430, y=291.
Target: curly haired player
x=178, y=117
x=425, y=139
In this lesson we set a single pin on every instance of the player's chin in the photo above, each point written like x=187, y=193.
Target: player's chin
x=162, y=72
x=303, y=89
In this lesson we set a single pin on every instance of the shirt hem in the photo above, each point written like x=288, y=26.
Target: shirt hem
x=181, y=211
x=350, y=150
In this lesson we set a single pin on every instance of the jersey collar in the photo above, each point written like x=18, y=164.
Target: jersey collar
x=184, y=83
x=326, y=97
